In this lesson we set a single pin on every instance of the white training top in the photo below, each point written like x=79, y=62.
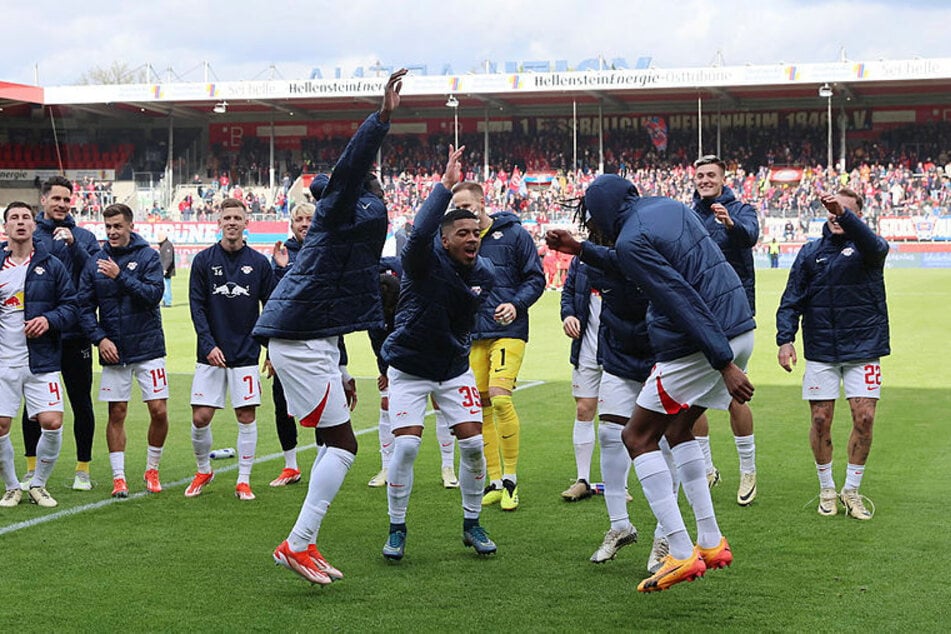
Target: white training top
x=588, y=355
x=13, y=350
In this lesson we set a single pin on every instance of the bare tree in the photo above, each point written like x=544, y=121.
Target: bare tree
x=116, y=73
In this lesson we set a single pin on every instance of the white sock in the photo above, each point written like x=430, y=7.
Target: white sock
x=746, y=449
x=693, y=477
x=511, y=477
x=290, y=459
x=117, y=462
x=247, y=444
x=471, y=475
x=47, y=453
x=655, y=479
x=669, y=459
x=824, y=471
x=326, y=477
x=615, y=465
x=447, y=442
x=399, y=476
x=853, y=474
x=583, y=439
x=386, y=439
x=7, y=463
x=704, y=442
x=153, y=458
x=201, y=446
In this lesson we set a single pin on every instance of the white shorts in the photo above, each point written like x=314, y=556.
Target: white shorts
x=458, y=399
x=676, y=385
x=585, y=381
x=862, y=379
x=42, y=392
x=309, y=370
x=211, y=382
x=617, y=396
x=115, y=385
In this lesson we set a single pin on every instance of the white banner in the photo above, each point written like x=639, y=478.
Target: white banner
x=30, y=175
x=524, y=82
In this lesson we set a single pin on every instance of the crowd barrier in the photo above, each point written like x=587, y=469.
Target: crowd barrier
x=191, y=237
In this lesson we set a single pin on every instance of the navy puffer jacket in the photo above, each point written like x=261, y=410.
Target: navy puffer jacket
x=737, y=242
x=697, y=303
x=47, y=292
x=128, y=306
x=519, y=277
x=439, y=299
x=576, y=302
x=334, y=287
x=837, y=286
x=74, y=257
x=624, y=344
x=293, y=248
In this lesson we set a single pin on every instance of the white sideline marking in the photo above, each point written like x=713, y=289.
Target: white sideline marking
x=36, y=521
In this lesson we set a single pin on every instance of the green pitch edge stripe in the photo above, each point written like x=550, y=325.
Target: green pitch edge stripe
x=36, y=521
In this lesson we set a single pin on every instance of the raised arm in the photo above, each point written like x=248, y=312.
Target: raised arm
x=349, y=174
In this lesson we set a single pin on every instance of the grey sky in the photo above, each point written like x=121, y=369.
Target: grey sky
x=240, y=40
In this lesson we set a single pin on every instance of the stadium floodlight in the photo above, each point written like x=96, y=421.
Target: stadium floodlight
x=220, y=108
x=453, y=103
x=826, y=92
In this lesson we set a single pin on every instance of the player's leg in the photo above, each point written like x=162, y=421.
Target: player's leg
x=700, y=384
x=447, y=450
x=741, y=421
x=247, y=448
x=617, y=398
x=659, y=547
x=31, y=436
x=153, y=383
x=408, y=398
x=584, y=389
x=209, y=385
x=12, y=493
x=820, y=431
x=384, y=434
x=458, y=400
x=690, y=469
x=674, y=396
x=116, y=443
x=286, y=434
x=615, y=465
x=641, y=436
x=11, y=395
x=479, y=363
x=505, y=362
x=862, y=388
x=860, y=442
x=701, y=431
x=309, y=371
x=244, y=384
x=77, y=379
x=44, y=401
x=47, y=453
x=820, y=387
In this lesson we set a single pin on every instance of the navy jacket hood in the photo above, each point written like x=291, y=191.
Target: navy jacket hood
x=605, y=198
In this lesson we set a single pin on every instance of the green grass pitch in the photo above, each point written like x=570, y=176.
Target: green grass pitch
x=166, y=563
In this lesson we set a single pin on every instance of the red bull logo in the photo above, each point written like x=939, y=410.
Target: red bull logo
x=13, y=301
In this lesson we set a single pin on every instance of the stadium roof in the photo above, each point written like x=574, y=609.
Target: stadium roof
x=737, y=88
